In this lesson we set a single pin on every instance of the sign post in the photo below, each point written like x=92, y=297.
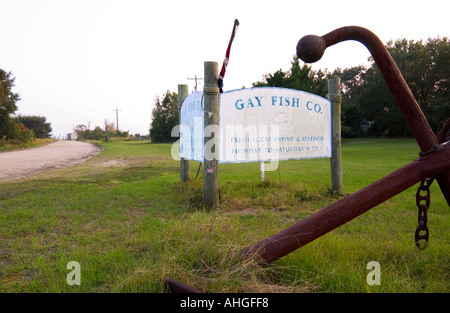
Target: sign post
x=185, y=167
x=262, y=171
x=264, y=125
x=334, y=94
x=210, y=135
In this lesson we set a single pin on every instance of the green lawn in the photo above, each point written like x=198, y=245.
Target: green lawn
x=126, y=219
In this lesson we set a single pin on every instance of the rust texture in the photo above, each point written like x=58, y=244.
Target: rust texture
x=434, y=160
x=339, y=213
x=174, y=286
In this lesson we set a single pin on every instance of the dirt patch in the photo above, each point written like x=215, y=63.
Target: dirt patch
x=115, y=163
x=17, y=164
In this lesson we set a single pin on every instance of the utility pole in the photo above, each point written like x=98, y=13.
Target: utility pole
x=117, y=118
x=196, y=79
x=106, y=131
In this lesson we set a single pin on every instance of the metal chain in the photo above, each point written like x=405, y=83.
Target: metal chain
x=423, y=204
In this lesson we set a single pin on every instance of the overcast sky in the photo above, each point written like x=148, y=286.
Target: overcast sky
x=76, y=61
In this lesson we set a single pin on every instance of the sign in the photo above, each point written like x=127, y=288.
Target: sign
x=264, y=124
x=260, y=124
x=191, y=128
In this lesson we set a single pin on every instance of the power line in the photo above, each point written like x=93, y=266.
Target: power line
x=117, y=117
x=196, y=79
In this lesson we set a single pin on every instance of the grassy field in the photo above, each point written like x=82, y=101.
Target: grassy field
x=126, y=219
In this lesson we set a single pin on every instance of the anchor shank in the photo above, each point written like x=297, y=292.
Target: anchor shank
x=339, y=213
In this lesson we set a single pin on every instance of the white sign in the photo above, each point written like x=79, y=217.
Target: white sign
x=260, y=124
x=263, y=124
x=191, y=128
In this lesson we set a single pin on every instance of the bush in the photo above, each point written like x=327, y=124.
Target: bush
x=24, y=134
x=347, y=132
x=38, y=124
x=8, y=128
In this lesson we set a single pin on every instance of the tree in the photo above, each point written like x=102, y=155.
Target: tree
x=352, y=84
x=37, y=124
x=81, y=131
x=165, y=116
x=8, y=99
x=439, y=99
x=426, y=69
x=23, y=134
x=298, y=77
x=96, y=134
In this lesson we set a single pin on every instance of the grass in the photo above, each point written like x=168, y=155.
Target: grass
x=124, y=216
x=9, y=145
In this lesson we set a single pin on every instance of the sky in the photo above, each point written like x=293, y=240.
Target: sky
x=77, y=61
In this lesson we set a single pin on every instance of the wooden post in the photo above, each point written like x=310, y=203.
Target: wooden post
x=185, y=165
x=106, y=131
x=334, y=94
x=211, y=136
x=262, y=171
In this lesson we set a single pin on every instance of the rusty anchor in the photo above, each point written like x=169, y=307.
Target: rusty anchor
x=433, y=160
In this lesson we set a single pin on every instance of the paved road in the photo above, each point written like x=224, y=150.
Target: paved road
x=16, y=164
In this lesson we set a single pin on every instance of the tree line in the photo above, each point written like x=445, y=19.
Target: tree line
x=368, y=107
x=84, y=133
x=20, y=128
